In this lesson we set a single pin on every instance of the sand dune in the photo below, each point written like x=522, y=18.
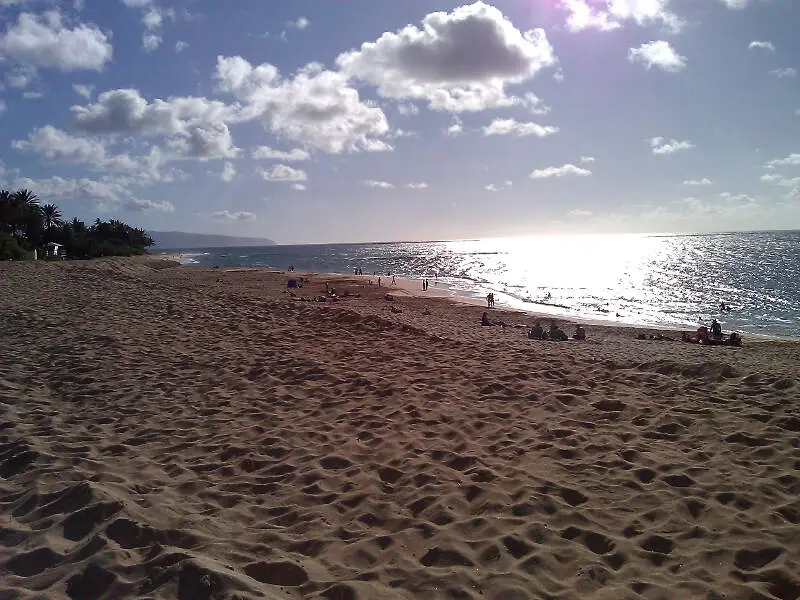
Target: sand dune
x=198, y=434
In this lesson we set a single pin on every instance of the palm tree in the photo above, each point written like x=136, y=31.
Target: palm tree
x=52, y=216
x=6, y=210
x=29, y=217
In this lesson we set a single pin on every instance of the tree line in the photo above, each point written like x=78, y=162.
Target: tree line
x=26, y=225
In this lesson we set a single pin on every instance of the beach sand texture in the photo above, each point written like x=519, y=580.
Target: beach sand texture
x=196, y=434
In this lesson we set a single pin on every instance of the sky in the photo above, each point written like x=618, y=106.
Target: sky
x=318, y=121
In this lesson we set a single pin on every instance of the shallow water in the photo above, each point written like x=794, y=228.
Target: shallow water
x=665, y=280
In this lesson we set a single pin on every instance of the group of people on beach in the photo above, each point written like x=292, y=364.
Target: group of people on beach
x=555, y=333
x=537, y=332
x=712, y=336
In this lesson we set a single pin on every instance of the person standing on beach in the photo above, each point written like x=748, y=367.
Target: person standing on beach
x=393, y=281
x=379, y=281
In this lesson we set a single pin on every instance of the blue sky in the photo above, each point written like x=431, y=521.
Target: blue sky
x=333, y=121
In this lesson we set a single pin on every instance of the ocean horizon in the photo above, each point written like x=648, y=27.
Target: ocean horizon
x=658, y=280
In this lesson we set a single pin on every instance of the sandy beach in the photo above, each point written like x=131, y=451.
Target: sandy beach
x=192, y=433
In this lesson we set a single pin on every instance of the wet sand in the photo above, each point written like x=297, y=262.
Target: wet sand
x=171, y=432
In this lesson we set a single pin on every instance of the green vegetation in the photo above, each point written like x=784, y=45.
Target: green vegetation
x=26, y=225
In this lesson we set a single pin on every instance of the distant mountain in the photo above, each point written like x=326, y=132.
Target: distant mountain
x=179, y=239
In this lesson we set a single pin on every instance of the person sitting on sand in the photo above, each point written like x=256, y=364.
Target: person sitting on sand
x=557, y=333
x=580, y=333
x=702, y=334
x=734, y=340
x=485, y=320
x=536, y=332
x=716, y=330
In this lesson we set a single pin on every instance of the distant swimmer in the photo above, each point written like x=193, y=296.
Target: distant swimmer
x=724, y=307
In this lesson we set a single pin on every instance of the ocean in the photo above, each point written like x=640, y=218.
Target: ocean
x=647, y=280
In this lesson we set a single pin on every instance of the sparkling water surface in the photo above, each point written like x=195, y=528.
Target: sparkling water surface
x=659, y=280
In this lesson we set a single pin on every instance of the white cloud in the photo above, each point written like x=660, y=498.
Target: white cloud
x=657, y=54
x=587, y=159
x=512, y=127
x=534, y=104
x=283, y=173
x=377, y=184
x=616, y=12
x=265, y=152
x=579, y=212
x=645, y=12
x=180, y=46
x=788, y=73
x=769, y=46
x=21, y=76
x=407, y=109
x=151, y=41
x=498, y=188
x=562, y=171
x=299, y=187
x=744, y=198
x=137, y=3
x=378, y=146
x=457, y=61
x=780, y=180
x=228, y=172
x=559, y=75
x=791, y=160
x=153, y=19
x=148, y=205
x=59, y=188
x=582, y=16
x=83, y=90
x=226, y=215
x=703, y=181
x=125, y=111
x=44, y=41
x=316, y=107
x=55, y=144
x=3, y=108
x=32, y=95
x=659, y=145
x=735, y=4
x=301, y=23
x=204, y=141
x=197, y=124
x=456, y=127
x=417, y=186
x=400, y=133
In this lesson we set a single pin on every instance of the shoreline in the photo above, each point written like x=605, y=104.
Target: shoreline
x=541, y=310
x=412, y=287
